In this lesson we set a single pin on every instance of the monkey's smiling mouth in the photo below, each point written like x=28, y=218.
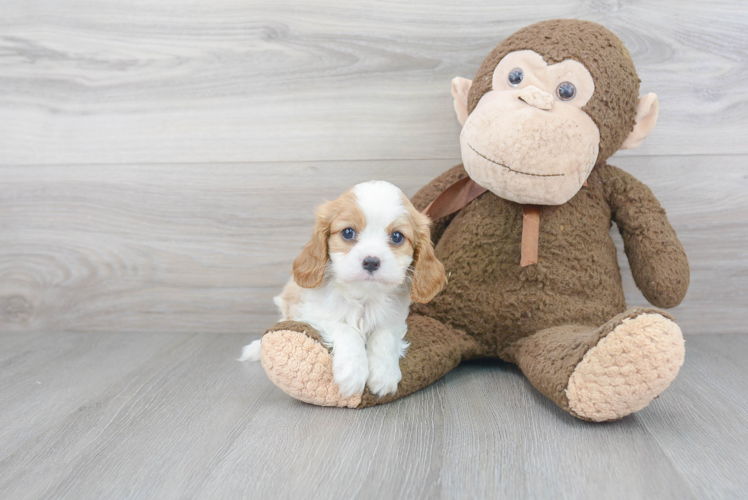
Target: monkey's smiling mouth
x=511, y=169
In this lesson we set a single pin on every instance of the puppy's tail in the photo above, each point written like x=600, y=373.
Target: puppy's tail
x=251, y=352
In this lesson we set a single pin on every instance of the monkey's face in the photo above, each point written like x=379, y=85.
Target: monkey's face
x=528, y=139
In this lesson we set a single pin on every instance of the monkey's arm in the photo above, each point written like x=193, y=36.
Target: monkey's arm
x=658, y=261
x=430, y=191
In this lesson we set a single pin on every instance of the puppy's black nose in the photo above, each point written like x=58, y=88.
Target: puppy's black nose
x=371, y=264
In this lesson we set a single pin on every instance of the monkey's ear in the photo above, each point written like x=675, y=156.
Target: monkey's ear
x=460, y=89
x=646, y=118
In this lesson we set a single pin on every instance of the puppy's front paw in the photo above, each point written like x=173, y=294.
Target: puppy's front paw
x=350, y=373
x=384, y=377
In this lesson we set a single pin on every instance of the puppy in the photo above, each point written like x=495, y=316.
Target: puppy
x=370, y=255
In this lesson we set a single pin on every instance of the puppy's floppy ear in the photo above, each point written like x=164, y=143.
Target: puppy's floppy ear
x=309, y=266
x=428, y=273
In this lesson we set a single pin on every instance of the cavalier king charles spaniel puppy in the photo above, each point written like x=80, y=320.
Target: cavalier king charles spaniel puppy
x=370, y=255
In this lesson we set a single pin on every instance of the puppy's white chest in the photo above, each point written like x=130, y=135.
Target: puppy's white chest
x=362, y=319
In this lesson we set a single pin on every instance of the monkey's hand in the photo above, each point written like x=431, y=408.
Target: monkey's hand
x=658, y=262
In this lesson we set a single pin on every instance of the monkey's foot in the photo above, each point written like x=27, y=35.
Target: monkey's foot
x=302, y=368
x=627, y=368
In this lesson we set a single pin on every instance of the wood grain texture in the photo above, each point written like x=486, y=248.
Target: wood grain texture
x=197, y=247
x=42, y=380
x=293, y=80
x=159, y=164
x=162, y=247
x=187, y=421
x=714, y=373
x=159, y=161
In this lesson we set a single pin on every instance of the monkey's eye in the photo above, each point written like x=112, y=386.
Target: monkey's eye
x=348, y=233
x=397, y=237
x=515, y=76
x=566, y=91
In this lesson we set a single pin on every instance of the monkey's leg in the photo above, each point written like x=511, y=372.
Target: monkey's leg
x=604, y=373
x=295, y=360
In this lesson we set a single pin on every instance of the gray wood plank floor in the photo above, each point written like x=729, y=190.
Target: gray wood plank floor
x=117, y=415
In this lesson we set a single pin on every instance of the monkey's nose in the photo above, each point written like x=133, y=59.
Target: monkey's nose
x=371, y=264
x=536, y=97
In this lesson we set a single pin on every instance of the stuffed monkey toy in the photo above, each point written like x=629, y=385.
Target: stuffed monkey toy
x=522, y=228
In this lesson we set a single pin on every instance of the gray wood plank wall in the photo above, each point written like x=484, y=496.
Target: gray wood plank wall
x=160, y=161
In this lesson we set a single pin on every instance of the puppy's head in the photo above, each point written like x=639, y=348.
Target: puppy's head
x=372, y=236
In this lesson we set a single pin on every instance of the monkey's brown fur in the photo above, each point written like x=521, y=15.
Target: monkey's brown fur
x=547, y=316
x=602, y=53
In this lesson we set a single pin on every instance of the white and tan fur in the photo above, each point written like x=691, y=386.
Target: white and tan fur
x=361, y=313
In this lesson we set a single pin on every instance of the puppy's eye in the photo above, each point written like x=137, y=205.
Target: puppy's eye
x=348, y=233
x=515, y=77
x=397, y=237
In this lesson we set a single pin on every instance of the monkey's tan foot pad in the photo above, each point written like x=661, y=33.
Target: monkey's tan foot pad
x=302, y=368
x=627, y=369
